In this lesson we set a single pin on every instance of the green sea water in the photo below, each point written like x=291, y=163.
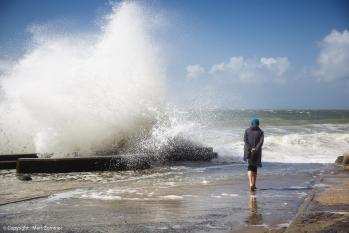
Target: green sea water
x=302, y=136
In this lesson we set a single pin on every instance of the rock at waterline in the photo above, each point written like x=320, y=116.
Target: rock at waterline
x=24, y=177
x=345, y=158
x=339, y=160
x=343, y=161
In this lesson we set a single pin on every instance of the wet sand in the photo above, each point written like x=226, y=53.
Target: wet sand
x=192, y=197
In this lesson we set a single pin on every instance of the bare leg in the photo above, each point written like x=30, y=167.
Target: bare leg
x=249, y=175
x=253, y=179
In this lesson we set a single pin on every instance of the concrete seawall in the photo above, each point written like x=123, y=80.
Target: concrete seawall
x=9, y=161
x=83, y=164
x=182, y=151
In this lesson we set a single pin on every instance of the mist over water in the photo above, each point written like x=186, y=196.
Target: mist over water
x=71, y=94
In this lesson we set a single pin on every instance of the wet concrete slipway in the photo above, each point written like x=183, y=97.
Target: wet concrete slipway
x=182, y=197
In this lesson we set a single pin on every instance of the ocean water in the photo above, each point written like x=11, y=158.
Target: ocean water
x=192, y=196
x=79, y=94
x=291, y=136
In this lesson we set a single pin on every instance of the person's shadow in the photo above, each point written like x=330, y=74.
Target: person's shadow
x=254, y=217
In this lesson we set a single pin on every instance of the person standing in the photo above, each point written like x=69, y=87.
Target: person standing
x=253, y=138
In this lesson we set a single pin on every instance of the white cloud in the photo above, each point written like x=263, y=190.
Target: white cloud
x=333, y=60
x=278, y=66
x=5, y=65
x=253, y=69
x=194, y=71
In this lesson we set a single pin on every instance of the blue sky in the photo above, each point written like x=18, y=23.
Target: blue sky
x=222, y=54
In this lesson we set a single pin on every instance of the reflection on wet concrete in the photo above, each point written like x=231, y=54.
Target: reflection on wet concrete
x=205, y=198
x=255, y=216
